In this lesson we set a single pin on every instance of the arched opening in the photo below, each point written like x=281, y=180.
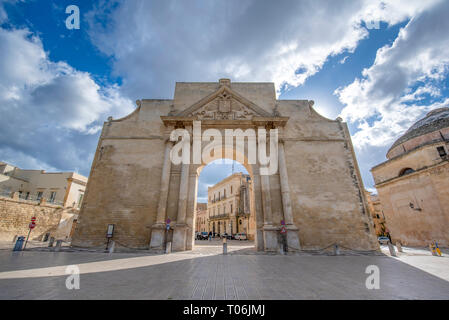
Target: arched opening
x=406, y=171
x=225, y=207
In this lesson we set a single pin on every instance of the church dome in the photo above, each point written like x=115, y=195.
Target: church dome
x=432, y=128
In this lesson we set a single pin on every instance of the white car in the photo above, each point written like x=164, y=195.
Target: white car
x=240, y=236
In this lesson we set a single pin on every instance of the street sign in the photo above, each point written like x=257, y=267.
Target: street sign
x=168, y=221
x=283, y=230
x=32, y=225
x=283, y=222
x=33, y=219
x=110, y=231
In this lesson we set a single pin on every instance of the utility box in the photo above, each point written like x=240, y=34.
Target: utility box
x=19, y=244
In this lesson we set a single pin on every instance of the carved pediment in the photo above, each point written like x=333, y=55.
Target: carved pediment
x=224, y=107
x=224, y=104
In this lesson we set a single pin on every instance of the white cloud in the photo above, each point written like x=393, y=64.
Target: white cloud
x=52, y=112
x=392, y=93
x=155, y=44
x=48, y=107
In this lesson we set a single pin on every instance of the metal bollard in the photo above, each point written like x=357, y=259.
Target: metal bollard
x=168, y=247
x=112, y=247
x=58, y=245
x=336, y=250
x=399, y=246
x=225, y=248
x=391, y=248
x=19, y=244
x=50, y=243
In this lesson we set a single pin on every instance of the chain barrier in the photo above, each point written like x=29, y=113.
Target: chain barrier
x=340, y=246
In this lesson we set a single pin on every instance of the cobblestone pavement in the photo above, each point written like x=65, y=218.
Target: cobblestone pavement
x=206, y=274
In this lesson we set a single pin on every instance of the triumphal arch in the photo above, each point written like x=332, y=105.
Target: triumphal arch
x=146, y=167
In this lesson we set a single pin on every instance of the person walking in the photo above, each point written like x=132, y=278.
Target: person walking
x=210, y=235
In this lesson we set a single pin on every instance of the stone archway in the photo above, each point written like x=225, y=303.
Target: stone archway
x=220, y=119
x=317, y=189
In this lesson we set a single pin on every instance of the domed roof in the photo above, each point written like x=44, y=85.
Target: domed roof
x=435, y=120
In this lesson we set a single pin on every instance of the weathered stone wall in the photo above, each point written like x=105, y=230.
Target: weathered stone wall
x=427, y=190
x=15, y=216
x=124, y=183
x=326, y=190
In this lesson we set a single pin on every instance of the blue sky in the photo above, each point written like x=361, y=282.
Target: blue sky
x=57, y=86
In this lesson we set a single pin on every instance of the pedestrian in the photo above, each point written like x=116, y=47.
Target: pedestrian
x=437, y=249
x=210, y=235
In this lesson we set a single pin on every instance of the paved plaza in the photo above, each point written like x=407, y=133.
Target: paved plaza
x=205, y=273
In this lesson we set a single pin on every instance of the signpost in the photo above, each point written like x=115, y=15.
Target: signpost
x=109, y=234
x=167, y=228
x=167, y=223
x=31, y=226
x=284, y=247
x=283, y=229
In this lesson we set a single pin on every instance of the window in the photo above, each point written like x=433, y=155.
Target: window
x=441, y=152
x=231, y=208
x=80, y=200
x=39, y=195
x=231, y=189
x=406, y=171
x=52, y=196
x=27, y=195
x=224, y=193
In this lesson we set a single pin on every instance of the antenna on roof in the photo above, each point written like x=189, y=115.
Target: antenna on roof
x=233, y=167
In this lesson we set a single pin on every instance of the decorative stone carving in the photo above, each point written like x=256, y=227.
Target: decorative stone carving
x=224, y=107
x=276, y=113
x=172, y=111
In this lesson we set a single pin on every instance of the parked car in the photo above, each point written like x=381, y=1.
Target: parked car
x=240, y=236
x=383, y=240
x=226, y=235
x=201, y=235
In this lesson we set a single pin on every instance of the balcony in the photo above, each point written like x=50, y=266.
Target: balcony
x=241, y=213
x=219, y=216
x=29, y=197
x=218, y=200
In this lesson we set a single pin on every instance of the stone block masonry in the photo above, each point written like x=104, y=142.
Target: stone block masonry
x=16, y=214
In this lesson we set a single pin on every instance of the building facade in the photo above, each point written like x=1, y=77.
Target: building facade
x=53, y=198
x=201, y=218
x=413, y=184
x=315, y=187
x=62, y=188
x=375, y=209
x=230, y=205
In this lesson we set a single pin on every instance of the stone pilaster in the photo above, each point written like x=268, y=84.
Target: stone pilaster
x=270, y=236
x=158, y=229
x=292, y=230
x=179, y=235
